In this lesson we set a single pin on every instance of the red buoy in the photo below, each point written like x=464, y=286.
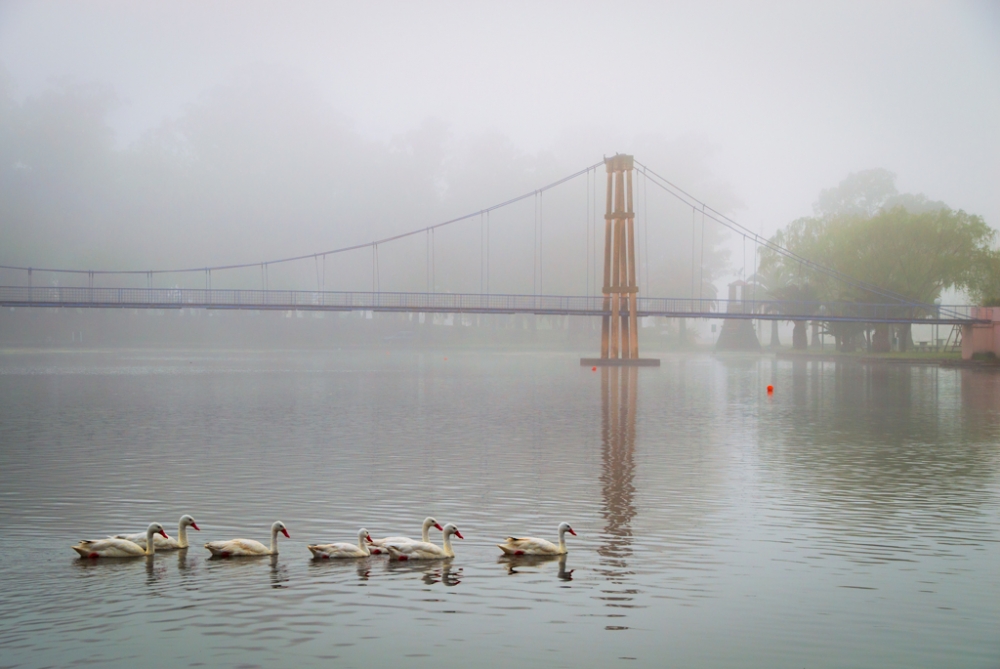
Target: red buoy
x=770, y=389
x=593, y=369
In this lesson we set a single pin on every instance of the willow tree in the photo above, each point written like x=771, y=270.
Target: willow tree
x=910, y=247
x=915, y=255
x=984, y=288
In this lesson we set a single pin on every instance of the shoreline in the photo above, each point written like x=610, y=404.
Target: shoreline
x=897, y=358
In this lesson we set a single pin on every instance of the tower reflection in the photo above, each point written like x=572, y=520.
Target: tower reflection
x=618, y=406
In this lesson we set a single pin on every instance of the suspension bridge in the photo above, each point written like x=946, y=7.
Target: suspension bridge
x=619, y=305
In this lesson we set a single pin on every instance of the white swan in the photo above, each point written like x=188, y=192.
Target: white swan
x=343, y=550
x=424, y=550
x=532, y=546
x=248, y=547
x=168, y=544
x=115, y=547
x=379, y=545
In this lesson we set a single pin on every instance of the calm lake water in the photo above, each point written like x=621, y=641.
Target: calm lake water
x=852, y=519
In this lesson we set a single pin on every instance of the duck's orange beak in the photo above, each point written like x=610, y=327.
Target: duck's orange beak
x=571, y=531
x=459, y=534
x=195, y=526
x=164, y=534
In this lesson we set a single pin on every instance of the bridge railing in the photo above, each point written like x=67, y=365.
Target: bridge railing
x=803, y=310
x=824, y=310
x=225, y=298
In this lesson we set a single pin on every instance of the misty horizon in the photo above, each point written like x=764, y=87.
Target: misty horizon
x=240, y=151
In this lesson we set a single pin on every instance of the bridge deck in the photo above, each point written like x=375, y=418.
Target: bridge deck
x=300, y=300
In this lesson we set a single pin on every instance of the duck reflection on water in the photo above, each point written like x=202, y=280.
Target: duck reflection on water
x=154, y=566
x=516, y=563
x=363, y=568
x=154, y=572
x=186, y=561
x=438, y=571
x=619, y=387
x=279, y=573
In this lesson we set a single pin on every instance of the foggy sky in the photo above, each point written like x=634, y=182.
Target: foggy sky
x=785, y=99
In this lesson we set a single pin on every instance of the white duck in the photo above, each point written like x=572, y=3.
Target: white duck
x=344, y=550
x=379, y=545
x=425, y=550
x=117, y=548
x=532, y=546
x=168, y=544
x=248, y=547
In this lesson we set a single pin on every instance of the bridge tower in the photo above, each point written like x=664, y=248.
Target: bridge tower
x=619, y=327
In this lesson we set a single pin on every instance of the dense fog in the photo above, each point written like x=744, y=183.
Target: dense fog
x=263, y=168
x=150, y=137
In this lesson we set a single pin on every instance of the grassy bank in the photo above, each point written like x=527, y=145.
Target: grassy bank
x=948, y=358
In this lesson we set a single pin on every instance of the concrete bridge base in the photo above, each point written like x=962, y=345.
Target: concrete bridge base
x=737, y=335
x=619, y=362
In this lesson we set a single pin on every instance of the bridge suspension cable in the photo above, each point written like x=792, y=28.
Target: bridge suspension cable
x=648, y=174
x=385, y=240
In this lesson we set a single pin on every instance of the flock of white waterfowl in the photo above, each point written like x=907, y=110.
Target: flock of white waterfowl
x=398, y=548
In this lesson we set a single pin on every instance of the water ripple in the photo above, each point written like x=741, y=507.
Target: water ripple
x=798, y=524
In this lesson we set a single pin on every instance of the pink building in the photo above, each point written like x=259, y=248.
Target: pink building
x=982, y=337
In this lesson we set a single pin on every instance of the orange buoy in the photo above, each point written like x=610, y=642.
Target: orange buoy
x=593, y=369
x=770, y=389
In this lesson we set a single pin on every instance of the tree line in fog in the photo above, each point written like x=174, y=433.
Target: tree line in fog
x=263, y=167
x=903, y=244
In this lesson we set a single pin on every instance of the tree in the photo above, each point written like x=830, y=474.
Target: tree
x=914, y=255
x=860, y=194
x=984, y=287
x=791, y=294
x=908, y=246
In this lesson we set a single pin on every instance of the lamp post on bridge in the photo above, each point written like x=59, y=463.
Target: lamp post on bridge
x=619, y=326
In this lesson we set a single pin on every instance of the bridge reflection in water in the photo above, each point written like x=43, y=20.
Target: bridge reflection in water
x=619, y=387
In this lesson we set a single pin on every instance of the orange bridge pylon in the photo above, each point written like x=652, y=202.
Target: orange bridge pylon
x=619, y=327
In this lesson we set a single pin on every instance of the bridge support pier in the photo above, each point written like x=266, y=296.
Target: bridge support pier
x=619, y=326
